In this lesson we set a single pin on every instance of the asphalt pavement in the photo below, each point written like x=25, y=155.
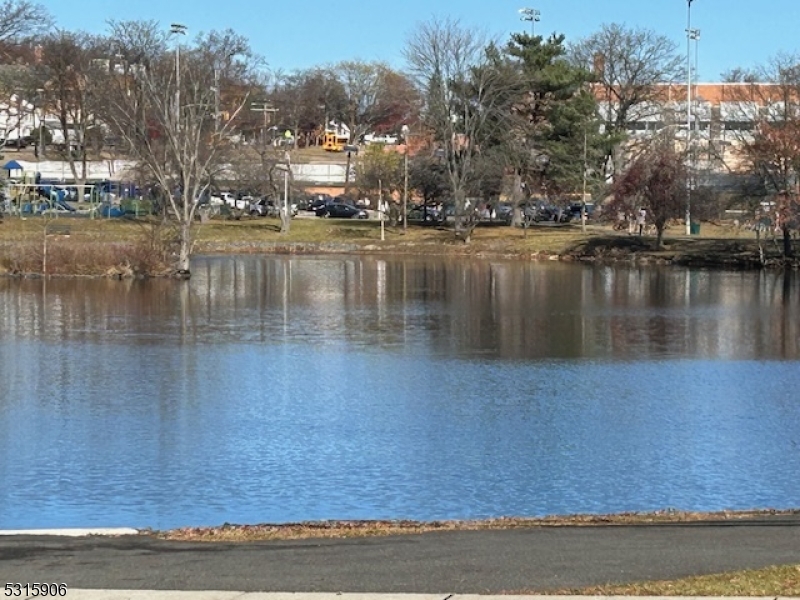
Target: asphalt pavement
x=539, y=559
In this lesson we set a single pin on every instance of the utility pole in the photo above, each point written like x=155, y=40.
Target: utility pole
x=688, y=216
x=177, y=29
x=380, y=210
x=287, y=217
x=263, y=107
x=405, y=131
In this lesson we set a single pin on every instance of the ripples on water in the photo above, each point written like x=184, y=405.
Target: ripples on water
x=272, y=389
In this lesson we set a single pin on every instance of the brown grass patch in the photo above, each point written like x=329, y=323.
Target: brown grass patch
x=783, y=580
x=82, y=247
x=344, y=529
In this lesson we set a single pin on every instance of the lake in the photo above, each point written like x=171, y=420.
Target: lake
x=277, y=389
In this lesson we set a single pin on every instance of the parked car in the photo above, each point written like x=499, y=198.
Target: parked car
x=539, y=213
x=318, y=201
x=502, y=214
x=505, y=210
x=576, y=207
x=345, y=200
x=260, y=208
x=339, y=210
x=267, y=207
x=425, y=215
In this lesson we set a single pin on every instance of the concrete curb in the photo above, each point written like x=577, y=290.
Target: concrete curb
x=84, y=594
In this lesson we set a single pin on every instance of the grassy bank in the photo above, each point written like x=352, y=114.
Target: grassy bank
x=122, y=247
x=780, y=580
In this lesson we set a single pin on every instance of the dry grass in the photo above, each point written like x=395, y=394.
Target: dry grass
x=346, y=529
x=783, y=580
x=84, y=247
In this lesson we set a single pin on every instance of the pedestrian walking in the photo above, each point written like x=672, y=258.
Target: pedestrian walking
x=641, y=218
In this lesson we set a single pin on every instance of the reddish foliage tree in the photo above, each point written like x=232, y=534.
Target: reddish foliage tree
x=656, y=181
x=775, y=155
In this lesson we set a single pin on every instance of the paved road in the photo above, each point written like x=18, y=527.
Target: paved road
x=538, y=559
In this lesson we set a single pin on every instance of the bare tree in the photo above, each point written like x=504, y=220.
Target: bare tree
x=21, y=20
x=461, y=96
x=260, y=169
x=70, y=90
x=305, y=99
x=165, y=107
x=628, y=66
x=362, y=82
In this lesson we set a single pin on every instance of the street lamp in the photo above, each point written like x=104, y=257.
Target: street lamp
x=177, y=29
x=694, y=34
x=530, y=14
x=405, y=131
x=689, y=30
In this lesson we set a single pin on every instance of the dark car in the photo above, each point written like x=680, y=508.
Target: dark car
x=339, y=210
x=502, y=214
x=541, y=213
x=576, y=208
x=318, y=201
x=425, y=215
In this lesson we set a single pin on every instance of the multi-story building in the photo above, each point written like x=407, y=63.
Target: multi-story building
x=723, y=118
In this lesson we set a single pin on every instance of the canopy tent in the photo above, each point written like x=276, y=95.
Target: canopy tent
x=13, y=165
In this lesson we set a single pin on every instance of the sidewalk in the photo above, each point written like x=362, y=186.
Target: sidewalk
x=179, y=595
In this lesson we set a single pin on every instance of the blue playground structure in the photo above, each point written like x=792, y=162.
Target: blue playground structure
x=57, y=197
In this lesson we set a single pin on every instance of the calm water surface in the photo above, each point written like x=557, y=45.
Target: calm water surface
x=271, y=389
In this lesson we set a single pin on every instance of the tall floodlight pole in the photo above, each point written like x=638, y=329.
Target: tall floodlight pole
x=688, y=217
x=178, y=30
x=530, y=14
x=695, y=35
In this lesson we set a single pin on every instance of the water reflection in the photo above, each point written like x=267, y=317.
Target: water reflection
x=275, y=389
x=500, y=309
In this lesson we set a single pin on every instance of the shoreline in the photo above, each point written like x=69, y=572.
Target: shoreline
x=232, y=532
x=138, y=249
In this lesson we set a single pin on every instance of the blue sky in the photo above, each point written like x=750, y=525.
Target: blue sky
x=293, y=34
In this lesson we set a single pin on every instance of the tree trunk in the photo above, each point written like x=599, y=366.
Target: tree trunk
x=182, y=268
x=516, y=201
x=787, y=243
x=660, y=235
x=464, y=223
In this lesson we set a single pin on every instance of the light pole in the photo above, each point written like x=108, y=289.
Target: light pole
x=694, y=34
x=405, y=131
x=177, y=29
x=688, y=216
x=287, y=213
x=530, y=14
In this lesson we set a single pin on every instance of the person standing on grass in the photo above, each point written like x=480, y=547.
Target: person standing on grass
x=640, y=220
